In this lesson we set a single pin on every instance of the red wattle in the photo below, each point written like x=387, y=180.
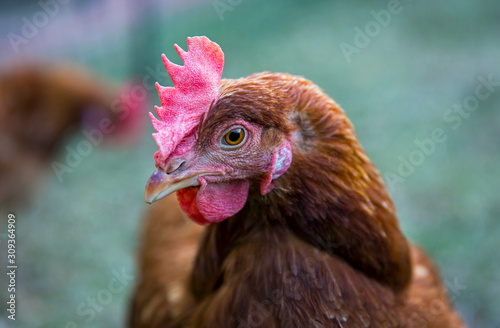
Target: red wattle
x=219, y=201
x=187, y=201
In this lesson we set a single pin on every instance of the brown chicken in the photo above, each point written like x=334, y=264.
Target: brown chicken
x=300, y=229
x=39, y=105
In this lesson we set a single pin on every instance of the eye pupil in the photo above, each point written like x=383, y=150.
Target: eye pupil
x=235, y=135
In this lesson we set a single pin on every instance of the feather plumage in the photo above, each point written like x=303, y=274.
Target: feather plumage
x=322, y=249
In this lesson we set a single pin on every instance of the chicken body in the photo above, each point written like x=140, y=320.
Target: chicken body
x=169, y=244
x=39, y=106
x=320, y=247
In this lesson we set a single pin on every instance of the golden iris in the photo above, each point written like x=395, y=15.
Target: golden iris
x=234, y=137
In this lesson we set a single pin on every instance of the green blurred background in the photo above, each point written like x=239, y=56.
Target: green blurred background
x=396, y=87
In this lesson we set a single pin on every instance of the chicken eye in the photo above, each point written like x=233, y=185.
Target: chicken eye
x=234, y=137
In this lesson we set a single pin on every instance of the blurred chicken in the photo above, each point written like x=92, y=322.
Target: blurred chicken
x=40, y=105
x=300, y=229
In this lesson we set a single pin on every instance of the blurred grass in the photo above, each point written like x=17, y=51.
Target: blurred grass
x=395, y=90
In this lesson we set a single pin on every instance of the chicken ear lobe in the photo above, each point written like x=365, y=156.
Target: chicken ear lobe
x=280, y=162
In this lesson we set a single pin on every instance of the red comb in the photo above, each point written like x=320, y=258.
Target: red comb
x=196, y=85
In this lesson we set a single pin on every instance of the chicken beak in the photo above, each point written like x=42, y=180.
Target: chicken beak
x=161, y=184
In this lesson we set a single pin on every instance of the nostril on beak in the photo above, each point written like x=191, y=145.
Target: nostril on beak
x=174, y=165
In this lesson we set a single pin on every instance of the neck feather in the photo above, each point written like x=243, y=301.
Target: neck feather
x=331, y=197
